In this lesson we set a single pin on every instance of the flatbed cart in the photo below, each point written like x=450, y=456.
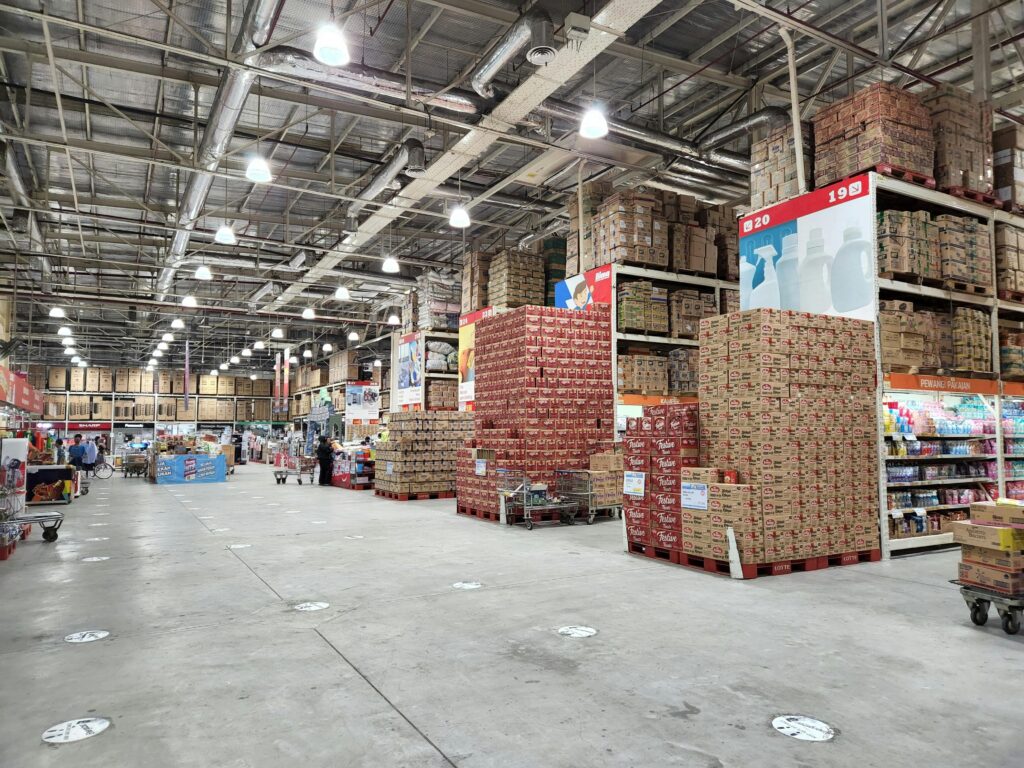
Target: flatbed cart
x=520, y=500
x=575, y=485
x=13, y=510
x=135, y=465
x=978, y=599
x=296, y=466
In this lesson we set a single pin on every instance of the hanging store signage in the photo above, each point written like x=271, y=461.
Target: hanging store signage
x=942, y=384
x=133, y=425
x=467, y=356
x=15, y=390
x=584, y=290
x=409, y=372
x=814, y=253
x=362, y=403
x=1015, y=388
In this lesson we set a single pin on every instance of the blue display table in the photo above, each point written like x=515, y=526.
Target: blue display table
x=191, y=468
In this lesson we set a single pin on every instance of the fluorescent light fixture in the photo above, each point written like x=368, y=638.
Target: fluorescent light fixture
x=459, y=218
x=390, y=265
x=203, y=272
x=258, y=344
x=277, y=333
x=377, y=363
x=214, y=372
x=177, y=323
x=167, y=337
x=394, y=319
x=246, y=352
x=330, y=47
x=328, y=347
x=353, y=336
x=75, y=359
x=258, y=172
x=593, y=124
x=308, y=313
x=252, y=376
x=162, y=346
x=307, y=353
x=68, y=341
x=189, y=301
x=63, y=331
x=158, y=353
x=342, y=294
x=56, y=312
x=234, y=360
x=223, y=366
x=70, y=351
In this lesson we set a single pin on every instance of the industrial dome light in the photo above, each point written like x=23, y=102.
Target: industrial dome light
x=189, y=301
x=258, y=171
x=214, y=372
x=353, y=336
x=56, y=312
x=177, y=323
x=224, y=235
x=234, y=360
x=307, y=353
x=203, y=272
x=328, y=347
x=593, y=124
x=68, y=341
x=331, y=47
x=223, y=366
x=158, y=353
x=390, y=265
x=342, y=294
x=308, y=313
x=162, y=346
x=277, y=333
x=246, y=352
x=258, y=344
x=459, y=218
x=167, y=337
x=394, y=319
x=63, y=331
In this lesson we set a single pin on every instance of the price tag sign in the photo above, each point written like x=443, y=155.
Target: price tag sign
x=911, y=438
x=480, y=470
x=920, y=511
x=389, y=468
x=693, y=495
x=634, y=483
x=897, y=513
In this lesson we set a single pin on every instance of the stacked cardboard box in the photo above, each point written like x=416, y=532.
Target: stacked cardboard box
x=693, y=248
x=434, y=304
x=972, y=340
x=476, y=267
x=908, y=243
x=580, y=245
x=1008, y=164
x=1009, y=258
x=773, y=166
x=730, y=301
x=644, y=374
x=516, y=279
x=879, y=125
x=683, y=370
x=965, y=250
x=442, y=394
x=992, y=554
x=763, y=374
x=341, y=366
x=679, y=209
x=724, y=221
x=1011, y=354
x=642, y=307
x=419, y=455
x=543, y=397
x=963, y=138
x=553, y=251
x=629, y=227
x=605, y=476
x=914, y=338
x=686, y=309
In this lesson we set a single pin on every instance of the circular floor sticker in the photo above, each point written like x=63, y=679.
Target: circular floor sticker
x=467, y=585
x=88, y=636
x=99, y=538
x=94, y=559
x=803, y=728
x=75, y=730
x=239, y=546
x=574, y=631
x=311, y=606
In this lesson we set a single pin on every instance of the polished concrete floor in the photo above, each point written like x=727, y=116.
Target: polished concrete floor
x=208, y=664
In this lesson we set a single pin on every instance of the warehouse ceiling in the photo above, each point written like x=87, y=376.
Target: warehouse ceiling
x=127, y=130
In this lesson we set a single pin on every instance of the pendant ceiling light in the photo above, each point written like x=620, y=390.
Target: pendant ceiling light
x=223, y=366
x=203, y=273
x=252, y=376
x=70, y=351
x=459, y=218
x=393, y=319
x=377, y=363
x=390, y=265
x=224, y=235
x=258, y=171
x=246, y=352
x=342, y=294
x=307, y=353
x=353, y=336
x=293, y=360
x=258, y=344
x=593, y=125
x=167, y=337
x=330, y=47
x=328, y=347
x=68, y=341
x=162, y=346
x=152, y=362
x=75, y=359
x=308, y=314
x=277, y=333
x=214, y=372
x=82, y=364
x=56, y=312
x=234, y=360
x=158, y=353
x=189, y=301
x=63, y=331
x=177, y=323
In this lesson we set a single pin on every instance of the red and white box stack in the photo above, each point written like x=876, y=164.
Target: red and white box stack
x=544, y=398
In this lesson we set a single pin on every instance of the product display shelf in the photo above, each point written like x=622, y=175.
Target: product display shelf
x=934, y=508
x=937, y=481
x=413, y=395
x=947, y=456
x=920, y=542
x=642, y=339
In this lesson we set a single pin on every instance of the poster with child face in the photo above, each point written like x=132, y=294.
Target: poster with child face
x=584, y=290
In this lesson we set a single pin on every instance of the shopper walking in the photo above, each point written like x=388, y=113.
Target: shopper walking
x=76, y=453
x=325, y=454
x=89, y=461
x=61, y=456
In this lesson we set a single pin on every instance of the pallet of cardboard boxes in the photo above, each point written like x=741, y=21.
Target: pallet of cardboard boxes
x=992, y=560
x=962, y=128
x=1008, y=165
x=418, y=459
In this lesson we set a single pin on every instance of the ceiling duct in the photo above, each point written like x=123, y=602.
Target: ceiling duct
x=533, y=29
x=451, y=192
x=409, y=157
x=527, y=240
x=19, y=191
x=235, y=84
x=267, y=289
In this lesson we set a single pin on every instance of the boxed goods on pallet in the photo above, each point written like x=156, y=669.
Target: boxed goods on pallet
x=433, y=305
x=642, y=374
x=963, y=138
x=686, y=309
x=1008, y=164
x=516, y=279
x=724, y=221
x=544, y=398
x=553, y=251
x=773, y=166
x=992, y=555
x=879, y=125
x=972, y=340
x=693, y=248
x=579, y=246
x=1011, y=354
x=419, y=454
x=914, y=338
x=442, y=394
x=341, y=366
x=476, y=267
x=629, y=228
x=965, y=250
x=908, y=244
x=729, y=301
x=1009, y=260
x=642, y=307
x=683, y=364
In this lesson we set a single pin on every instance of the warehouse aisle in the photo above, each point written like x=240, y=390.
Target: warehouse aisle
x=208, y=664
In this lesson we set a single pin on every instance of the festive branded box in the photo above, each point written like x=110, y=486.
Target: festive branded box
x=421, y=451
x=544, y=398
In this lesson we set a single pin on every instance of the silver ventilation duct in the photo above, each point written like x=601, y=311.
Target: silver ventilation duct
x=235, y=84
x=527, y=240
x=768, y=118
x=451, y=192
x=713, y=193
x=263, y=291
x=409, y=157
x=533, y=29
x=19, y=191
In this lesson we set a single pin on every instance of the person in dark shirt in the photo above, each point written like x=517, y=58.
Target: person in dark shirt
x=325, y=454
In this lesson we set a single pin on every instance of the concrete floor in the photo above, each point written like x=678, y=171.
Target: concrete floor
x=208, y=664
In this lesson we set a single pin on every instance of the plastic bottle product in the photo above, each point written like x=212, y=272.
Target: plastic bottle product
x=766, y=293
x=853, y=283
x=747, y=271
x=787, y=271
x=815, y=276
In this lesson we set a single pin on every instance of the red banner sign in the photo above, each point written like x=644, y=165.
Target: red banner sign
x=804, y=205
x=941, y=384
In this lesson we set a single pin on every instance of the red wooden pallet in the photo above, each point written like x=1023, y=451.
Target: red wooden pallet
x=480, y=514
x=26, y=531
x=896, y=172
x=420, y=496
x=903, y=277
x=356, y=486
x=753, y=570
x=972, y=194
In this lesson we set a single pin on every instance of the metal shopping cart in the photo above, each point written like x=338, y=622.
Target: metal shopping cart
x=577, y=485
x=523, y=501
x=1009, y=607
x=295, y=466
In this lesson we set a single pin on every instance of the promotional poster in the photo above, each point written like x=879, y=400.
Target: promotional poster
x=467, y=356
x=197, y=468
x=582, y=291
x=814, y=253
x=362, y=403
x=409, y=376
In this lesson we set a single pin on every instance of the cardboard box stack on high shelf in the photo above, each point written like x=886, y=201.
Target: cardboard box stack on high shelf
x=642, y=373
x=724, y=221
x=773, y=167
x=442, y=394
x=642, y=307
x=543, y=398
x=729, y=300
x=963, y=138
x=516, y=279
x=553, y=251
x=683, y=370
x=420, y=452
x=965, y=250
x=992, y=551
x=433, y=305
x=878, y=125
x=972, y=340
x=1009, y=260
x=912, y=338
x=908, y=244
x=1008, y=164
x=629, y=228
x=476, y=267
x=1011, y=354
x=577, y=260
x=687, y=307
